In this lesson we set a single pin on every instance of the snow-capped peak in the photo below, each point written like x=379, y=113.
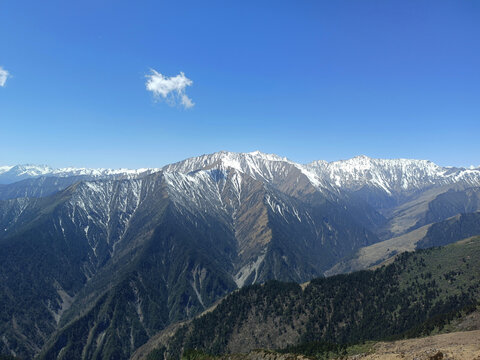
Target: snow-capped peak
x=227, y=159
x=255, y=164
x=390, y=174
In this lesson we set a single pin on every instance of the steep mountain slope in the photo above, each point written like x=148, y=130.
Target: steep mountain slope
x=50, y=247
x=345, y=308
x=430, y=206
x=375, y=254
x=451, y=203
x=300, y=235
x=390, y=197
x=203, y=233
x=445, y=232
x=60, y=243
x=222, y=229
x=175, y=275
x=296, y=180
x=295, y=199
x=404, y=217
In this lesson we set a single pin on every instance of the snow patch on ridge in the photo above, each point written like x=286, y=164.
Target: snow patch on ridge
x=9, y=174
x=4, y=169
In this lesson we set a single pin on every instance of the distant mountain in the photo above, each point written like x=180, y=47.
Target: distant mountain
x=377, y=188
x=11, y=174
x=39, y=186
x=399, y=176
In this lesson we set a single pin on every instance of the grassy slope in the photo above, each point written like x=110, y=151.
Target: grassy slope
x=372, y=255
x=437, y=234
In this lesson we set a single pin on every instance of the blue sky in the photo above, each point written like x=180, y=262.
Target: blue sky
x=303, y=79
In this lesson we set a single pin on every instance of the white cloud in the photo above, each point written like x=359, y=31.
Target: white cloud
x=171, y=89
x=186, y=101
x=4, y=75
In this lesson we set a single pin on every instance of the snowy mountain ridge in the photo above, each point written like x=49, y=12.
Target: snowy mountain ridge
x=9, y=174
x=392, y=174
x=389, y=175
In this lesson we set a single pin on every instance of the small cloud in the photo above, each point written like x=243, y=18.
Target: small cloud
x=171, y=89
x=4, y=75
x=187, y=102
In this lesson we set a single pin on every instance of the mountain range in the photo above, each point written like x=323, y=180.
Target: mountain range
x=94, y=263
